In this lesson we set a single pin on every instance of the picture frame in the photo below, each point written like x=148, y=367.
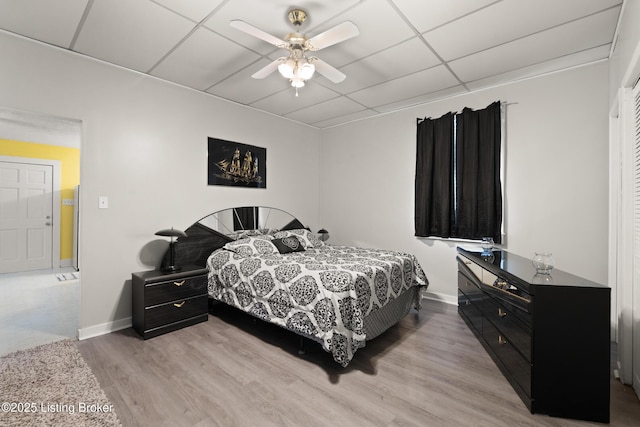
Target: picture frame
x=236, y=164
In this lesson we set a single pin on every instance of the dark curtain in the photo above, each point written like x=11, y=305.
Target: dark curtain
x=245, y=218
x=479, y=194
x=434, y=177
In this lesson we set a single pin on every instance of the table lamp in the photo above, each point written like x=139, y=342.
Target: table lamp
x=323, y=235
x=172, y=233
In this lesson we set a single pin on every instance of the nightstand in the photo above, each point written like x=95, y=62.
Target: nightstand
x=164, y=302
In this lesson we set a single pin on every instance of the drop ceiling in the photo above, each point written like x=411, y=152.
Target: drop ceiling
x=408, y=52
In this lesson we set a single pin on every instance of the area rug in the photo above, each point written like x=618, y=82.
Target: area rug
x=52, y=385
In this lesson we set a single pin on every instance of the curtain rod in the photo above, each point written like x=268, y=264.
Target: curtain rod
x=502, y=103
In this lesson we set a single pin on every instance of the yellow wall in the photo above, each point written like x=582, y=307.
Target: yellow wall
x=70, y=177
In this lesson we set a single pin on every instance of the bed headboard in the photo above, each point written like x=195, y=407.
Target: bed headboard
x=215, y=230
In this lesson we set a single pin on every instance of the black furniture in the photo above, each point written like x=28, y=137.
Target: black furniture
x=548, y=334
x=164, y=302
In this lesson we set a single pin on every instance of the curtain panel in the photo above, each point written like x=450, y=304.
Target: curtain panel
x=479, y=190
x=434, y=204
x=458, y=193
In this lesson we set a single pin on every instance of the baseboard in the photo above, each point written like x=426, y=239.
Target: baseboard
x=104, y=328
x=448, y=299
x=127, y=322
x=66, y=263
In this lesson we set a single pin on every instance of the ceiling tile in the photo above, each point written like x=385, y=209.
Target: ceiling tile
x=345, y=118
x=132, y=33
x=423, y=82
x=422, y=99
x=380, y=27
x=556, y=64
x=405, y=58
x=336, y=107
x=241, y=88
x=196, y=10
x=204, y=59
x=286, y=101
x=595, y=30
x=506, y=21
x=428, y=14
x=42, y=20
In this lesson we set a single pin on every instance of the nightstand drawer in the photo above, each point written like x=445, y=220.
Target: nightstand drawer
x=161, y=292
x=162, y=302
x=174, y=311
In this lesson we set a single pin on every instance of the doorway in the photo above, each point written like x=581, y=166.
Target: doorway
x=39, y=173
x=26, y=215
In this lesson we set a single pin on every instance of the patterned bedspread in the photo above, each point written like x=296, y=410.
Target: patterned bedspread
x=322, y=293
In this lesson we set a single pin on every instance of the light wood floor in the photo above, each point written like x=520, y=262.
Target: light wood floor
x=36, y=308
x=428, y=370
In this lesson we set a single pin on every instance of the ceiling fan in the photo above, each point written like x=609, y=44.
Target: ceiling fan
x=299, y=65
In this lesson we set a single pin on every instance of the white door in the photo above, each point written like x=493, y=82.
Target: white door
x=26, y=224
x=636, y=246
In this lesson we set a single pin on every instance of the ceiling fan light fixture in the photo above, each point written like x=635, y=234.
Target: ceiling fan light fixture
x=298, y=67
x=297, y=82
x=287, y=69
x=305, y=72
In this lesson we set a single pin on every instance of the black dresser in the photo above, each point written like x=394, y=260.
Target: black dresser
x=164, y=302
x=548, y=334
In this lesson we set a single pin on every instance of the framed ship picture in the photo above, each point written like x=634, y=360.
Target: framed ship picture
x=235, y=164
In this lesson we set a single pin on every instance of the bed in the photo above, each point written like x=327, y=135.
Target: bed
x=264, y=262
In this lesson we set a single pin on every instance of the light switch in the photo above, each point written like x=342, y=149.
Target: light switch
x=67, y=202
x=103, y=202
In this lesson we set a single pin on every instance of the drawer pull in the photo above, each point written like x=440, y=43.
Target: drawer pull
x=501, y=340
x=179, y=283
x=502, y=313
x=501, y=284
x=179, y=304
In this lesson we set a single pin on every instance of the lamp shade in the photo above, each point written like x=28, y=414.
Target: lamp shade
x=305, y=72
x=323, y=235
x=287, y=68
x=173, y=233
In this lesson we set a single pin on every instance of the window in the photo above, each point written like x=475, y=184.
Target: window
x=458, y=191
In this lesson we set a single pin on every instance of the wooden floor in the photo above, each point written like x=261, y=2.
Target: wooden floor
x=428, y=370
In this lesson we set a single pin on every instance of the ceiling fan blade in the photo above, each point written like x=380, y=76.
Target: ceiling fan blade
x=337, y=34
x=256, y=32
x=265, y=71
x=328, y=71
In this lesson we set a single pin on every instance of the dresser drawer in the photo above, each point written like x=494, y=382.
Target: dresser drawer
x=518, y=368
x=162, y=292
x=508, y=324
x=174, y=311
x=466, y=285
x=471, y=309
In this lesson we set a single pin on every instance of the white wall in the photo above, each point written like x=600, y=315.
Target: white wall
x=144, y=145
x=556, y=176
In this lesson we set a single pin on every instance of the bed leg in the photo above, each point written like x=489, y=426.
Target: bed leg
x=301, y=347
